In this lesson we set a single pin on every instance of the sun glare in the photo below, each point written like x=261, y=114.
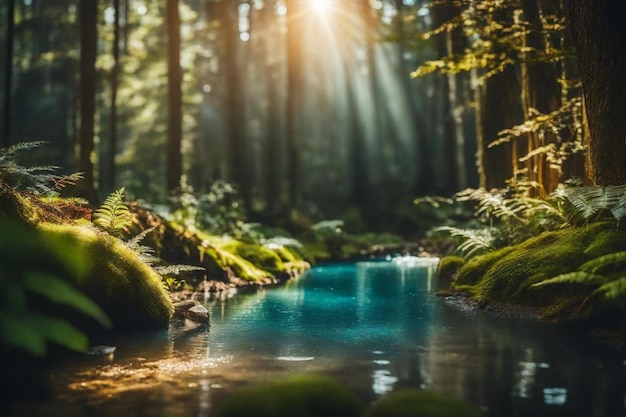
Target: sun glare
x=320, y=6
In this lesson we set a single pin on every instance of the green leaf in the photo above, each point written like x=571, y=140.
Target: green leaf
x=578, y=277
x=15, y=330
x=60, y=291
x=614, y=289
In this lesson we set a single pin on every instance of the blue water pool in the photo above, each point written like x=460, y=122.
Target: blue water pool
x=375, y=326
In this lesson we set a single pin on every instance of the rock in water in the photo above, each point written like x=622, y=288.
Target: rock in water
x=198, y=314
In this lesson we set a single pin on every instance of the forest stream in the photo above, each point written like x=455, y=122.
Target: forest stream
x=374, y=326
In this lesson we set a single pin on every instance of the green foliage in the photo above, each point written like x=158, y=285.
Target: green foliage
x=38, y=179
x=35, y=264
x=597, y=202
x=220, y=211
x=474, y=242
x=605, y=274
x=419, y=403
x=113, y=216
x=298, y=396
x=128, y=290
x=588, y=263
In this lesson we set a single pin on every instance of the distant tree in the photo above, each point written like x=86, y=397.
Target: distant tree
x=7, y=112
x=115, y=71
x=295, y=80
x=174, y=159
x=239, y=163
x=88, y=20
x=599, y=32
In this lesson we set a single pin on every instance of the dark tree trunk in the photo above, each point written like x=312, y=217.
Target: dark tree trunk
x=273, y=151
x=5, y=137
x=174, y=159
x=110, y=183
x=541, y=92
x=88, y=18
x=599, y=34
x=237, y=150
x=295, y=81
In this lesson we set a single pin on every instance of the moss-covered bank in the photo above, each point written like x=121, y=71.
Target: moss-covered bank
x=505, y=279
x=127, y=289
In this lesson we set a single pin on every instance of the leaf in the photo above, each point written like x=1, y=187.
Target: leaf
x=61, y=292
x=578, y=277
x=30, y=331
x=594, y=265
x=113, y=216
x=614, y=289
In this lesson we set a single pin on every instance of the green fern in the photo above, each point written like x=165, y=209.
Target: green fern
x=113, y=216
x=145, y=253
x=614, y=290
x=578, y=277
x=474, y=241
x=39, y=179
x=594, y=200
x=611, y=260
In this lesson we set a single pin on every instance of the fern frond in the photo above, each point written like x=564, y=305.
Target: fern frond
x=595, y=265
x=175, y=269
x=113, y=216
x=475, y=241
x=578, y=277
x=615, y=289
x=145, y=253
x=591, y=200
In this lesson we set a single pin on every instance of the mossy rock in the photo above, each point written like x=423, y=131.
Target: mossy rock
x=418, y=403
x=127, y=289
x=448, y=268
x=507, y=275
x=298, y=396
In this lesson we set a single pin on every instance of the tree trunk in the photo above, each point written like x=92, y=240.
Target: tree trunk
x=88, y=18
x=295, y=80
x=273, y=151
x=237, y=152
x=540, y=92
x=7, y=111
x=174, y=159
x=599, y=34
x=110, y=183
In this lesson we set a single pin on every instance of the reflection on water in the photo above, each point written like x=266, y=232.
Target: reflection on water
x=375, y=326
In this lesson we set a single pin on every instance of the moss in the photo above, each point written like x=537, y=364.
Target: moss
x=506, y=276
x=128, y=290
x=448, y=268
x=417, y=403
x=299, y=396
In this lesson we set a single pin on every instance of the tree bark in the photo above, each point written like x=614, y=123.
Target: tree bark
x=295, y=80
x=7, y=110
x=174, y=159
x=110, y=183
x=599, y=33
x=237, y=150
x=88, y=18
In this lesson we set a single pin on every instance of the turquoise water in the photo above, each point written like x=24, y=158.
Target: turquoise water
x=375, y=326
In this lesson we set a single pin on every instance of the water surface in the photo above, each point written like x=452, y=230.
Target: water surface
x=375, y=326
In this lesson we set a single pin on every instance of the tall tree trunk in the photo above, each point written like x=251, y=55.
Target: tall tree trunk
x=239, y=164
x=88, y=18
x=599, y=33
x=269, y=26
x=174, y=159
x=295, y=80
x=540, y=92
x=500, y=109
x=110, y=183
x=7, y=111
